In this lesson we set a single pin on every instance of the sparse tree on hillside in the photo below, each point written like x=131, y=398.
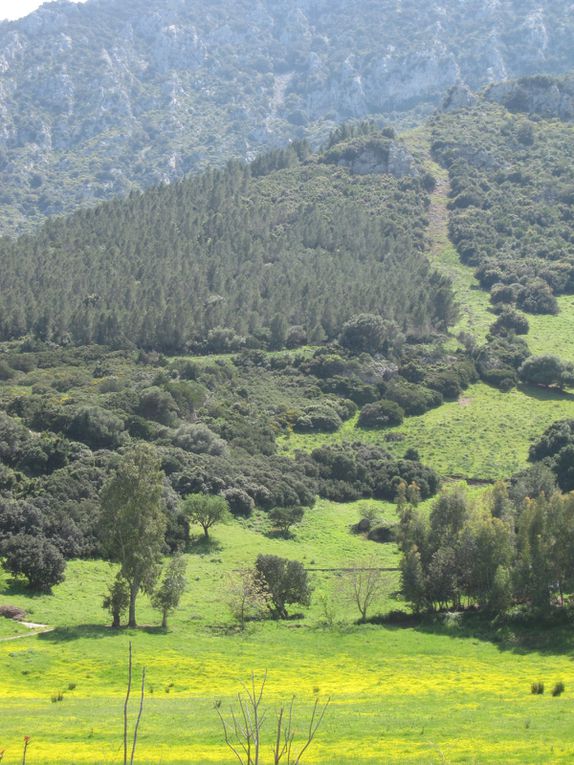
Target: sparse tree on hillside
x=117, y=600
x=283, y=518
x=247, y=597
x=206, y=510
x=286, y=581
x=172, y=586
x=133, y=521
x=364, y=588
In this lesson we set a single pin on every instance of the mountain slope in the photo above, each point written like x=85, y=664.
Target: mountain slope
x=291, y=241
x=100, y=98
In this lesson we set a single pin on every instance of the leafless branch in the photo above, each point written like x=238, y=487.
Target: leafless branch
x=140, y=711
x=126, y=702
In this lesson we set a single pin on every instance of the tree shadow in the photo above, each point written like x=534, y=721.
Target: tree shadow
x=552, y=637
x=77, y=632
x=279, y=534
x=203, y=546
x=542, y=393
x=95, y=631
x=19, y=588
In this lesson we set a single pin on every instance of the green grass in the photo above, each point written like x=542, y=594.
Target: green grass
x=10, y=629
x=399, y=695
x=554, y=334
x=486, y=434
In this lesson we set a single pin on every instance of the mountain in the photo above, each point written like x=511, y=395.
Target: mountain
x=100, y=98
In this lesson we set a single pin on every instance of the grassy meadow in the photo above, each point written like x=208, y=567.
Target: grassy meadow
x=437, y=693
x=485, y=434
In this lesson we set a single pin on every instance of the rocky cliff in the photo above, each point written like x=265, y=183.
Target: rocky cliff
x=113, y=95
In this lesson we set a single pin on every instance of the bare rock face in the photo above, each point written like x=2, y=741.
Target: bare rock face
x=459, y=97
x=110, y=95
x=545, y=96
x=373, y=155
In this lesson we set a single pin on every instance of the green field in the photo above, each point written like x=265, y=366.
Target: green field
x=432, y=694
x=485, y=435
x=554, y=334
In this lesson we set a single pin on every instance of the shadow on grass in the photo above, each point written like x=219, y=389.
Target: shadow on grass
x=203, y=546
x=94, y=631
x=278, y=534
x=19, y=588
x=554, y=636
x=545, y=394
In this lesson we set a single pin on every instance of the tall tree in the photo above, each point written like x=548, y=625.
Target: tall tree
x=133, y=521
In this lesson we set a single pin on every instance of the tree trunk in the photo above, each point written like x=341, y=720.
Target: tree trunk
x=164, y=619
x=134, y=588
x=206, y=532
x=116, y=620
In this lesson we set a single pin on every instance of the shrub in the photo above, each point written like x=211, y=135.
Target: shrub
x=239, y=501
x=368, y=333
x=503, y=293
x=157, y=404
x=12, y=612
x=558, y=689
x=510, y=321
x=382, y=414
x=412, y=455
x=446, y=382
x=96, y=427
x=36, y=559
x=318, y=418
x=283, y=518
x=537, y=297
x=504, y=378
x=413, y=399
x=384, y=533
x=198, y=439
x=537, y=689
x=545, y=370
x=6, y=372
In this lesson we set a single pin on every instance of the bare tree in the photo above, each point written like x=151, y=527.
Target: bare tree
x=126, y=711
x=243, y=732
x=364, y=588
x=243, y=736
x=285, y=733
x=247, y=598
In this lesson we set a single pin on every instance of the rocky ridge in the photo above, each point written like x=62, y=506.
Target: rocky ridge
x=108, y=96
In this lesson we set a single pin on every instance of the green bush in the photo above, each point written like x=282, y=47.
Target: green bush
x=413, y=399
x=382, y=414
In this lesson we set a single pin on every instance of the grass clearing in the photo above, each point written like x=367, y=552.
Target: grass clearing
x=554, y=335
x=485, y=435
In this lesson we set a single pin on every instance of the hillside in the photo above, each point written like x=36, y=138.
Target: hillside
x=101, y=98
x=336, y=354
x=238, y=256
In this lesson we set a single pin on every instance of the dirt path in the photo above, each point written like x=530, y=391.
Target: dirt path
x=35, y=629
x=475, y=317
